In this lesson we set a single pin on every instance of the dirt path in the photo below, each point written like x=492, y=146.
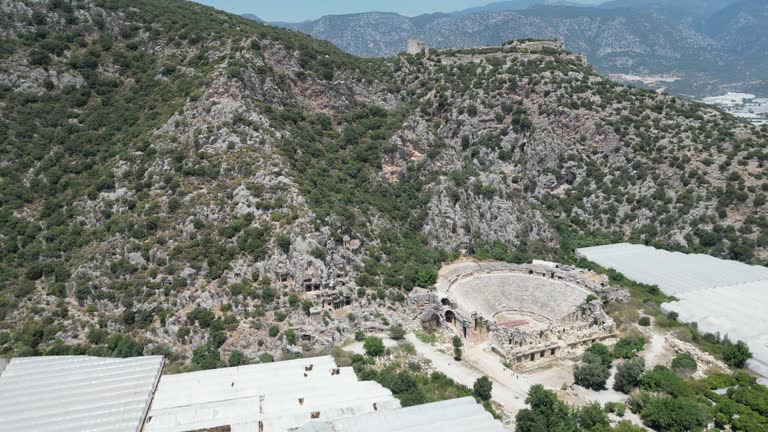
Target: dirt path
x=510, y=388
x=512, y=397
x=657, y=351
x=489, y=363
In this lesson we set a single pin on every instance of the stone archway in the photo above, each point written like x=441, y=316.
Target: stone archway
x=450, y=317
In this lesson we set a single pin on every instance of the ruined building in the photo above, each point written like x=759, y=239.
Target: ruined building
x=414, y=46
x=526, y=312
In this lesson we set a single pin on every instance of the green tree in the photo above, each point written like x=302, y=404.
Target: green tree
x=736, y=355
x=202, y=316
x=306, y=306
x=627, y=426
x=274, y=330
x=617, y=408
x=752, y=395
x=182, y=333
x=591, y=373
x=124, y=346
x=206, y=356
x=403, y=385
x=629, y=375
x=293, y=300
x=592, y=416
x=319, y=253
x=290, y=336
x=268, y=294
x=601, y=351
x=426, y=277
x=668, y=414
x=750, y=421
x=237, y=358
x=664, y=379
x=546, y=413
x=483, y=388
x=96, y=336
x=374, y=347
x=284, y=242
x=457, y=344
x=628, y=347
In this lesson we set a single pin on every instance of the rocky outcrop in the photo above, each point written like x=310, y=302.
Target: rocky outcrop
x=459, y=218
x=409, y=145
x=704, y=360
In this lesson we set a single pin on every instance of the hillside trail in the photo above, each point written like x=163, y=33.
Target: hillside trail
x=507, y=389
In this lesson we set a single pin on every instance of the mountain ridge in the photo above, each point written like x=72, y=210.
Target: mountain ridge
x=668, y=39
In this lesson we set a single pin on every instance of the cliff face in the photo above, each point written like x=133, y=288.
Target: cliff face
x=182, y=176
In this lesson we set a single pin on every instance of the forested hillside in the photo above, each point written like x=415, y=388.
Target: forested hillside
x=172, y=176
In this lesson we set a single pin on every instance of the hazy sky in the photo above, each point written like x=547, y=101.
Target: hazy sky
x=300, y=10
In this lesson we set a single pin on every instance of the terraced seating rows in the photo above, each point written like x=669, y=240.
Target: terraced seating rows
x=492, y=293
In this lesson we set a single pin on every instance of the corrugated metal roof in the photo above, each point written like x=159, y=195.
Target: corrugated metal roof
x=722, y=296
x=77, y=393
x=734, y=311
x=280, y=395
x=674, y=272
x=456, y=415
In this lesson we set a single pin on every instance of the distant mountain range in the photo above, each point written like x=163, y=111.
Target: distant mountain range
x=688, y=47
x=515, y=5
x=252, y=17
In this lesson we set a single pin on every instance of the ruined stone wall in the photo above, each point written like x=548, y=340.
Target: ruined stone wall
x=414, y=46
x=513, y=343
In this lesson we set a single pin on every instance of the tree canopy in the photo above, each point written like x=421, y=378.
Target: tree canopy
x=373, y=346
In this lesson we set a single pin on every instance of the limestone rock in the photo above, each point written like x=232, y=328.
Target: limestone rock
x=135, y=258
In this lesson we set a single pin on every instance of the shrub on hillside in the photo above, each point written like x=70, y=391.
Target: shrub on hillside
x=684, y=363
x=591, y=375
x=629, y=375
x=628, y=347
x=736, y=354
x=397, y=332
x=374, y=346
x=602, y=352
x=674, y=414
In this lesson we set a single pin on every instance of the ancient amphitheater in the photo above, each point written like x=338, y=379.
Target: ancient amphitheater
x=526, y=312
